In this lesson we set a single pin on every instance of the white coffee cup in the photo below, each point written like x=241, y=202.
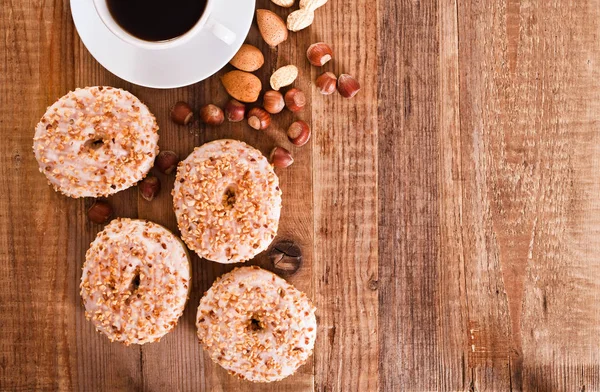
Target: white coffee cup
x=205, y=22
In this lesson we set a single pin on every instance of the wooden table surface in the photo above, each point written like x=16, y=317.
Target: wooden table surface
x=449, y=214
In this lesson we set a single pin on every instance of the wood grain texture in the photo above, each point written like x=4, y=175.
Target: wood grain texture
x=488, y=253
x=410, y=246
x=345, y=201
x=534, y=155
x=449, y=214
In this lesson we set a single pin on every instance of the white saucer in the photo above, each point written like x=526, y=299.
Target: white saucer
x=179, y=66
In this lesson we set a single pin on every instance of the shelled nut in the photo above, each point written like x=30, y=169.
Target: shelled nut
x=284, y=3
x=312, y=5
x=243, y=86
x=182, y=113
x=284, y=76
x=295, y=99
x=273, y=101
x=300, y=19
x=100, y=212
x=326, y=83
x=149, y=187
x=235, y=110
x=211, y=114
x=280, y=157
x=347, y=86
x=248, y=58
x=271, y=27
x=259, y=119
x=166, y=161
x=299, y=133
x=319, y=54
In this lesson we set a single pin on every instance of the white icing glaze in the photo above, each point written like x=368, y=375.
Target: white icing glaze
x=210, y=226
x=124, y=311
x=124, y=127
x=273, y=347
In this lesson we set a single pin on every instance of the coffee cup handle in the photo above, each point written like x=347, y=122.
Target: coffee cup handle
x=221, y=32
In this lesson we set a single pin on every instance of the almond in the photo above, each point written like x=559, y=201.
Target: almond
x=300, y=19
x=243, y=86
x=249, y=58
x=284, y=3
x=284, y=76
x=312, y=5
x=271, y=26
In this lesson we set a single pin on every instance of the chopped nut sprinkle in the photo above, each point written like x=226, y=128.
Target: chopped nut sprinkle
x=134, y=289
x=95, y=142
x=227, y=201
x=250, y=329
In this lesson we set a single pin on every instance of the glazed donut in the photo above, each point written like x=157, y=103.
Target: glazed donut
x=227, y=201
x=135, y=281
x=256, y=325
x=95, y=142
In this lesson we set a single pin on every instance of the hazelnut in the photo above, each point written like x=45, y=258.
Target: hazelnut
x=299, y=133
x=166, y=162
x=211, y=114
x=99, y=212
x=273, y=102
x=326, y=83
x=319, y=53
x=182, y=113
x=235, y=110
x=280, y=157
x=259, y=119
x=347, y=86
x=295, y=100
x=149, y=187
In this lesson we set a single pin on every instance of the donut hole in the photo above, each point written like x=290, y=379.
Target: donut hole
x=229, y=196
x=134, y=285
x=255, y=324
x=94, y=144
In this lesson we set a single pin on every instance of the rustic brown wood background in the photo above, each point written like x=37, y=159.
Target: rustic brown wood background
x=449, y=214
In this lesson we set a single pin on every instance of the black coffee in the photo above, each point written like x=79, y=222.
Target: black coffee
x=156, y=20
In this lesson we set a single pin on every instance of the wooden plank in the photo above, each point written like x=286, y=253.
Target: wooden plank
x=345, y=201
x=46, y=233
x=560, y=315
x=490, y=214
x=528, y=110
x=421, y=298
x=488, y=326
x=18, y=256
x=453, y=374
